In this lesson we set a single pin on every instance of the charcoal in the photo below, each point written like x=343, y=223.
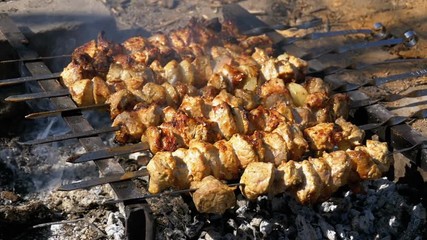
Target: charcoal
x=416, y=223
x=174, y=234
x=305, y=229
x=265, y=227
x=212, y=235
x=193, y=230
x=328, y=230
x=381, y=213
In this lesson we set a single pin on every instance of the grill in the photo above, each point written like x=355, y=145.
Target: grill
x=139, y=222
x=136, y=213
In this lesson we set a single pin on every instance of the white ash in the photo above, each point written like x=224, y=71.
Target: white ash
x=97, y=221
x=35, y=172
x=42, y=168
x=265, y=227
x=379, y=213
x=115, y=228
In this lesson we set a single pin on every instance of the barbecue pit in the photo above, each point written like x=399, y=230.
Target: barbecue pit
x=396, y=135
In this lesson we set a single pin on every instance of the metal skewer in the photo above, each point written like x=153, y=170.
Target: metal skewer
x=339, y=86
x=395, y=120
x=418, y=144
x=262, y=30
x=109, y=152
x=166, y=193
x=409, y=39
x=103, y=180
x=35, y=96
x=378, y=31
x=360, y=66
x=71, y=136
x=417, y=91
x=35, y=59
x=13, y=81
x=65, y=111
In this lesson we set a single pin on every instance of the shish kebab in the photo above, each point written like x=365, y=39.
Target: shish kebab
x=124, y=99
x=319, y=139
x=204, y=166
x=191, y=48
x=246, y=73
x=152, y=91
x=225, y=115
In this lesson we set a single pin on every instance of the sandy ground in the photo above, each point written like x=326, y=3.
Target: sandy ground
x=65, y=24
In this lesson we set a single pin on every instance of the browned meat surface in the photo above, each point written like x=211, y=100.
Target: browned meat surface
x=213, y=196
x=321, y=137
x=161, y=167
x=213, y=105
x=257, y=179
x=82, y=92
x=310, y=180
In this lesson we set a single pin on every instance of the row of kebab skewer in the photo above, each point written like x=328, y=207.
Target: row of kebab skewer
x=214, y=106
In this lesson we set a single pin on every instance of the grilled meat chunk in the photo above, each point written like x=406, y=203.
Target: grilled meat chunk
x=101, y=91
x=213, y=196
x=340, y=168
x=379, y=154
x=276, y=148
x=257, y=179
x=82, y=92
x=322, y=136
x=244, y=150
x=222, y=115
x=162, y=168
x=230, y=165
x=352, y=135
x=310, y=189
x=210, y=155
x=131, y=127
x=363, y=166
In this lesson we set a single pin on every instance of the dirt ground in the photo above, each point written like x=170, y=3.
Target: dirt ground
x=147, y=16
x=397, y=15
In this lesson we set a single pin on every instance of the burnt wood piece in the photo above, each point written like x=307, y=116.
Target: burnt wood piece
x=77, y=124
x=400, y=136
